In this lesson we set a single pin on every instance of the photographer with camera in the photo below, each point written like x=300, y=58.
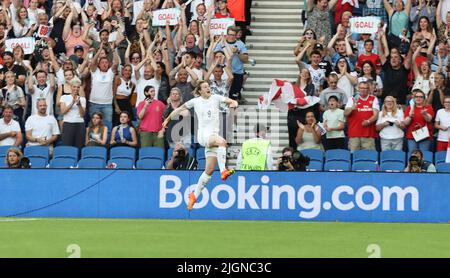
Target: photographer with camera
x=292, y=160
x=15, y=159
x=416, y=164
x=181, y=160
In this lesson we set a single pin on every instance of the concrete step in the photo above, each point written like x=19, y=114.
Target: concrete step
x=265, y=66
x=271, y=60
x=261, y=38
x=278, y=4
x=274, y=32
x=280, y=11
x=265, y=52
x=277, y=25
x=274, y=74
x=271, y=45
x=274, y=17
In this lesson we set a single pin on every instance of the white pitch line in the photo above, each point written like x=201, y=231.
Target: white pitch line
x=18, y=220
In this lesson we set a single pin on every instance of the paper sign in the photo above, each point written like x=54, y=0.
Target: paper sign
x=27, y=43
x=161, y=16
x=219, y=25
x=43, y=31
x=138, y=6
x=364, y=25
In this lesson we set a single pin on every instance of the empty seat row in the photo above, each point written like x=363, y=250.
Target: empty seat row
x=369, y=156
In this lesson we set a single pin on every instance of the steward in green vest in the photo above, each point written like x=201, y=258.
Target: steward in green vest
x=256, y=152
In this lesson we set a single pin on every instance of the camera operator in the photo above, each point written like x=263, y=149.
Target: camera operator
x=15, y=159
x=181, y=160
x=292, y=160
x=416, y=164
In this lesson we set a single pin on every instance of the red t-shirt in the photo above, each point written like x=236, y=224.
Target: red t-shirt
x=418, y=120
x=364, y=111
x=153, y=117
x=340, y=9
x=374, y=58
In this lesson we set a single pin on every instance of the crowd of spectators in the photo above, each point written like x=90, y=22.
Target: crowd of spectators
x=100, y=73
x=387, y=90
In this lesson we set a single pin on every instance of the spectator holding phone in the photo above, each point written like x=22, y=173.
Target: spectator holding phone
x=390, y=125
x=150, y=112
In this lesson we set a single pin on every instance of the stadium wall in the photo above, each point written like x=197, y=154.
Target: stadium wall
x=310, y=196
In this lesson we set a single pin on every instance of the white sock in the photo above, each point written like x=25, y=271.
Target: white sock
x=221, y=157
x=202, y=182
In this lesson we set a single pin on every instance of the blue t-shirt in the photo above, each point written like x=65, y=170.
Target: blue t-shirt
x=237, y=66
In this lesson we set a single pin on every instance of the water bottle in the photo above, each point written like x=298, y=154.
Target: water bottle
x=121, y=133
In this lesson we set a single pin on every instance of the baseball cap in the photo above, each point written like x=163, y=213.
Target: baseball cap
x=78, y=47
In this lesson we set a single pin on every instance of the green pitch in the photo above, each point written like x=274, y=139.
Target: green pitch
x=189, y=238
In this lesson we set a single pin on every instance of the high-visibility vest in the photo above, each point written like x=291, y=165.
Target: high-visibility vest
x=254, y=154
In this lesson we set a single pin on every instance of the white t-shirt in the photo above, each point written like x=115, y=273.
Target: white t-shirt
x=102, y=83
x=45, y=93
x=207, y=111
x=140, y=86
x=5, y=128
x=391, y=132
x=317, y=77
x=333, y=118
x=345, y=85
x=443, y=118
x=73, y=116
x=41, y=127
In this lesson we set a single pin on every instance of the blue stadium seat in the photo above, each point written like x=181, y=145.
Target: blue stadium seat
x=151, y=152
x=2, y=162
x=38, y=162
x=63, y=162
x=443, y=168
x=365, y=166
x=202, y=163
x=3, y=150
x=123, y=152
x=392, y=166
x=338, y=155
x=200, y=153
x=37, y=152
x=94, y=152
x=92, y=163
x=393, y=156
x=427, y=155
x=365, y=155
x=66, y=151
x=337, y=166
x=314, y=166
x=314, y=155
x=122, y=163
x=149, y=163
x=439, y=157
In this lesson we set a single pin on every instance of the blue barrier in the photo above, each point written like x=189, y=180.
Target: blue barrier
x=308, y=196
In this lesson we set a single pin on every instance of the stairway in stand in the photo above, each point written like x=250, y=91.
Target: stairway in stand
x=276, y=27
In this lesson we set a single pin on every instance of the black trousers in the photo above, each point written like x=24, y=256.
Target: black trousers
x=73, y=134
x=236, y=86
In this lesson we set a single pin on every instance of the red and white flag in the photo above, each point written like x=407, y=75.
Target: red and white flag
x=285, y=96
x=447, y=158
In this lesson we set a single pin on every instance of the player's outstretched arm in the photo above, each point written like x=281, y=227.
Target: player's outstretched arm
x=231, y=103
x=173, y=114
